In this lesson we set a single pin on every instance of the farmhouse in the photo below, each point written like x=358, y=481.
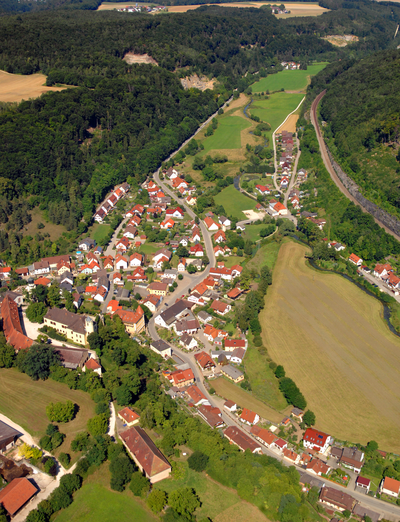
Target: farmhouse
x=128, y=416
x=8, y=437
x=146, y=455
x=232, y=344
x=318, y=467
x=12, y=325
x=181, y=378
x=350, y=457
x=316, y=440
x=16, y=494
x=336, y=499
x=241, y=439
x=232, y=373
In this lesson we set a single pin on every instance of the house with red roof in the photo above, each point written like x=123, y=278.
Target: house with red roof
x=134, y=321
x=382, y=270
x=135, y=260
x=389, y=486
x=167, y=224
x=249, y=417
x=318, y=467
x=277, y=208
x=196, y=395
x=122, y=244
x=212, y=415
x=146, y=455
x=220, y=307
x=291, y=456
x=177, y=213
x=263, y=189
x=232, y=344
x=128, y=416
x=220, y=237
x=316, y=440
x=113, y=306
x=197, y=250
x=16, y=494
x=181, y=378
x=353, y=258
x=218, y=251
x=137, y=275
x=266, y=437
x=44, y=281
x=242, y=440
x=121, y=262
x=117, y=278
x=204, y=360
x=92, y=364
x=211, y=224
x=363, y=483
x=12, y=327
x=279, y=444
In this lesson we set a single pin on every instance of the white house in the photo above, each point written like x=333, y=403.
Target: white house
x=136, y=260
x=390, y=486
x=121, y=263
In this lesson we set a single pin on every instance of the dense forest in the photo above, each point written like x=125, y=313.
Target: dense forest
x=361, y=107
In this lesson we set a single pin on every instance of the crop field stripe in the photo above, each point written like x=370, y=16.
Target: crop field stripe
x=16, y=87
x=334, y=344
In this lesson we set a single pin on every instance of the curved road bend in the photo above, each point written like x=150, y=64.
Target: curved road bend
x=329, y=166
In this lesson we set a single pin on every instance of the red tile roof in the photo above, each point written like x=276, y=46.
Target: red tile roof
x=130, y=317
x=195, y=394
x=42, y=281
x=241, y=439
x=12, y=326
x=204, y=359
x=235, y=343
x=267, y=436
x=92, y=364
x=248, y=416
x=391, y=484
x=16, y=494
x=129, y=415
x=315, y=437
x=145, y=451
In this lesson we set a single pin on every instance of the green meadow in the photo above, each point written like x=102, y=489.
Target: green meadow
x=234, y=202
x=289, y=80
x=227, y=134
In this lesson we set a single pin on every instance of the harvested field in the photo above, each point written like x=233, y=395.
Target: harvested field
x=331, y=338
x=231, y=391
x=15, y=87
x=139, y=58
x=303, y=9
x=290, y=124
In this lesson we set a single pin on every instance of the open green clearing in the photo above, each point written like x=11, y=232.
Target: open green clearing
x=231, y=391
x=266, y=255
x=99, y=232
x=252, y=232
x=216, y=500
x=234, y=202
x=227, y=134
x=275, y=109
x=289, y=80
x=149, y=248
x=95, y=502
x=334, y=344
x=24, y=401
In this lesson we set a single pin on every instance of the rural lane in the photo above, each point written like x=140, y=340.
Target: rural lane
x=329, y=166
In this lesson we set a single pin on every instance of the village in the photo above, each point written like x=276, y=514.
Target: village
x=185, y=294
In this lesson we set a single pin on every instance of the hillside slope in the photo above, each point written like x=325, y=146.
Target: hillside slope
x=361, y=108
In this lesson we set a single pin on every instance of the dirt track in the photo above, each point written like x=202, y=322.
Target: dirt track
x=331, y=170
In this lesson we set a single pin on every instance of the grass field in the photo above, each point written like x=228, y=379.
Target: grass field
x=252, y=232
x=266, y=255
x=234, y=202
x=264, y=384
x=149, y=248
x=330, y=337
x=16, y=87
x=99, y=232
x=227, y=134
x=24, y=401
x=217, y=502
x=289, y=80
x=95, y=502
x=233, y=392
x=275, y=109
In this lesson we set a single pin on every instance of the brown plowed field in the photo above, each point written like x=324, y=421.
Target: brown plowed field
x=330, y=337
x=15, y=87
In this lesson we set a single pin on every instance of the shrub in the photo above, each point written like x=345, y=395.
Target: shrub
x=98, y=425
x=139, y=485
x=65, y=459
x=157, y=500
x=121, y=470
x=60, y=411
x=198, y=461
x=80, y=442
x=82, y=467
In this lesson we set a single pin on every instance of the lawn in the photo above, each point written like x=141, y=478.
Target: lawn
x=332, y=341
x=231, y=391
x=252, y=232
x=95, y=501
x=289, y=80
x=263, y=382
x=149, y=248
x=266, y=255
x=99, y=232
x=234, y=202
x=24, y=401
x=217, y=501
x=227, y=134
x=275, y=109
x=233, y=260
